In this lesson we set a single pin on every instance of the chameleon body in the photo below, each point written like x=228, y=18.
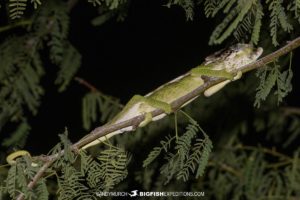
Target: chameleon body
x=220, y=64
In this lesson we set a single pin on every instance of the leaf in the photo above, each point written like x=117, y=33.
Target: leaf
x=16, y=8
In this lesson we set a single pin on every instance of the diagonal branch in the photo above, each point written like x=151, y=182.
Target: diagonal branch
x=176, y=104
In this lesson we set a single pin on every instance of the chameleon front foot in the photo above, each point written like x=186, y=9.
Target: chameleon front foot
x=149, y=102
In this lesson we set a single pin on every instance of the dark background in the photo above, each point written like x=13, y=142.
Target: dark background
x=152, y=46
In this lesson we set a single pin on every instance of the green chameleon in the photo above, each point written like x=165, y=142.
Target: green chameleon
x=220, y=64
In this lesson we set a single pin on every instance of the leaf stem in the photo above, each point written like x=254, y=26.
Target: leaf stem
x=16, y=24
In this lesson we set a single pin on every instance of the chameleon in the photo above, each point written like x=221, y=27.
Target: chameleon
x=220, y=64
x=225, y=63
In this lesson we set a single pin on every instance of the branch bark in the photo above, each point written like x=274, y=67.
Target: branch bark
x=176, y=104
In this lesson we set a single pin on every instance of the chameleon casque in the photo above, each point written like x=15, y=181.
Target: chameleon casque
x=224, y=63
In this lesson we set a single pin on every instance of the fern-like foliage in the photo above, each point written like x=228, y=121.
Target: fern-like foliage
x=294, y=6
x=18, y=137
x=251, y=174
x=20, y=74
x=113, y=161
x=68, y=67
x=165, y=145
x=17, y=8
x=95, y=103
x=36, y=3
x=244, y=18
x=190, y=157
x=237, y=14
x=269, y=77
x=257, y=23
x=40, y=191
x=21, y=66
x=278, y=18
x=71, y=183
x=54, y=16
x=98, y=176
x=111, y=4
x=18, y=176
x=210, y=7
x=187, y=5
x=68, y=157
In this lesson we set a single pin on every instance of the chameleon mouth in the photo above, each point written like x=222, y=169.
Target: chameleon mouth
x=256, y=54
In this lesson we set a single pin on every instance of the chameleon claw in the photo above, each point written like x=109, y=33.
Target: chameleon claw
x=238, y=75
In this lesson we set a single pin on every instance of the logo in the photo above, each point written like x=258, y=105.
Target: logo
x=134, y=193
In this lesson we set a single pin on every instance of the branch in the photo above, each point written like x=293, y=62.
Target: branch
x=176, y=104
x=290, y=111
x=16, y=24
x=290, y=46
x=88, y=85
x=71, y=4
x=92, y=88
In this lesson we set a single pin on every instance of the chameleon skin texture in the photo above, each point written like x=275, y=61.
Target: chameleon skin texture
x=219, y=64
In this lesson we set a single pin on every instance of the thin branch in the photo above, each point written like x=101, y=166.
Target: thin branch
x=176, y=104
x=92, y=88
x=88, y=85
x=71, y=4
x=272, y=152
x=16, y=24
x=290, y=111
x=290, y=46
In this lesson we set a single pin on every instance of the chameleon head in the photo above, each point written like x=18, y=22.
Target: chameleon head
x=246, y=52
x=234, y=57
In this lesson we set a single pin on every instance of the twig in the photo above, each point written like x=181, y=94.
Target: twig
x=16, y=24
x=86, y=84
x=176, y=104
x=274, y=55
x=290, y=111
x=272, y=152
x=92, y=88
x=71, y=4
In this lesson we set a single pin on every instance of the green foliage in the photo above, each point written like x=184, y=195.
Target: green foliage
x=18, y=138
x=269, y=77
x=94, y=103
x=17, y=8
x=257, y=23
x=68, y=67
x=186, y=161
x=187, y=5
x=189, y=157
x=70, y=183
x=274, y=123
x=20, y=74
x=165, y=145
x=40, y=191
x=294, y=6
x=244, y=17
x=111, y=4
x=17, y=179
x=278, y=18
x=94, y=175
x=239, y=13
x=256, y=174
x=113, y=162
x=78, y=176
x=21, y=66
